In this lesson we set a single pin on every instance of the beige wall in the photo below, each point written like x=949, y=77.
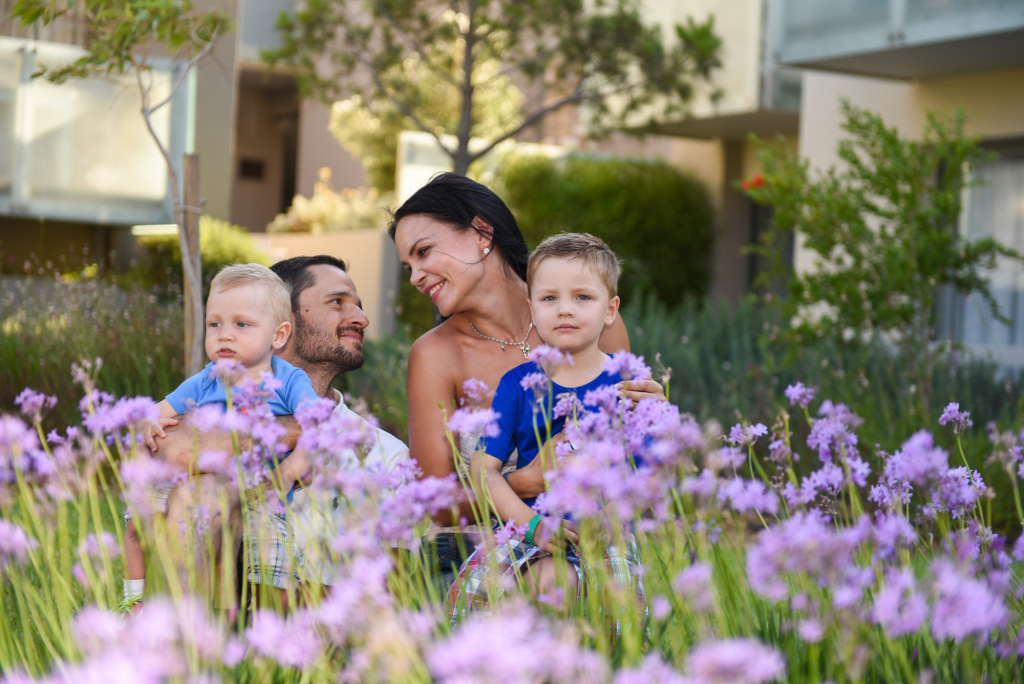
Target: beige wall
x=318, y=148
x=372, y=263
x=216, y=92
x=993, y=102
x=738, y=23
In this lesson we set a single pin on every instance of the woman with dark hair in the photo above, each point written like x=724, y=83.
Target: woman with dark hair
x=462, y=248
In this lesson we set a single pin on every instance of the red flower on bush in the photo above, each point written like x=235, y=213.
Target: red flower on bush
x=757, y=181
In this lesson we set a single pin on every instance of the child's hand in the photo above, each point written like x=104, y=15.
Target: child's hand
x=641, y=389
x=552, y=532
x=150, y=430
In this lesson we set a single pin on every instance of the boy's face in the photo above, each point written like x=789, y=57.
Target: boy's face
x=570, y=304
x=241, y=325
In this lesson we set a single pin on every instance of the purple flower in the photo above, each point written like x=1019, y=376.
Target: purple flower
x=628, y=366
x=898, y=607
x=964, y=605
x=918, y=462
x=507, y=532
x=291, y=642
x=745, y=496
x=228, y=371
x=104, y=545
x=694, y=584
x=735, y=661
x=566, y=404
x=799, y=395
x=537, y=383
x=961, y=420
x=476, y=392
x=531, y=650
x=110, y=417
x=550, y=358
x=474, y=421
x=400, y=511
x=15, y=545
x=34, y=404
x=741, y=435
x=653, y=670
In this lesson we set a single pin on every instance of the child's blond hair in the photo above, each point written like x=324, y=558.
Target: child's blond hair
x=594, y=252
x=239, y=275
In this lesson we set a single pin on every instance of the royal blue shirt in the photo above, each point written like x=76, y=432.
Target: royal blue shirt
x=520, y=410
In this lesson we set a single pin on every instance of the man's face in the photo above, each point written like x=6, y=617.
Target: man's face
x=330, y=322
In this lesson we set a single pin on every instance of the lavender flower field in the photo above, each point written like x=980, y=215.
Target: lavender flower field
x=863, y=564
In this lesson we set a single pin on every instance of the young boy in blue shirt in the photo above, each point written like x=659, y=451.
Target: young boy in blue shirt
x=573, y=281
x=248, y=318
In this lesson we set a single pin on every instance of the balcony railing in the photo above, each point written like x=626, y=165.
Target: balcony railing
x=900, y=38
x=79, y=151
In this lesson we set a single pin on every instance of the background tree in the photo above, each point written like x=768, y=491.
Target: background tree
x=599, y=54
x=124, y=37
x=883, y=232
x=369, y=130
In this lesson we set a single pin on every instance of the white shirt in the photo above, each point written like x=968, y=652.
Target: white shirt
x=311, y=507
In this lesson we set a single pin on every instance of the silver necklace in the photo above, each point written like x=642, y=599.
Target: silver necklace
x=522, y=345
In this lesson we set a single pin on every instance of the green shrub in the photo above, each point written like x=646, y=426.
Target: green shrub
x=220, y=244
x=656, y=218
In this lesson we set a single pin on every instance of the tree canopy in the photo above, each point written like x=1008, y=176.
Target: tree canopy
x=597, y=54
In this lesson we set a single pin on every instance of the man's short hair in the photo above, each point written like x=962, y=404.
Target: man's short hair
x=240, y=275
x=295, y=273
x=594, y=252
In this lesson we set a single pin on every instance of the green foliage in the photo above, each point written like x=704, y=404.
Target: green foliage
x=729, y=364
x=220, y=244
x=50, y=323
x=328, y=210
x=598, y=54
x=369, y=130
x=883, y=231
x=123, y=31
x=657, y=219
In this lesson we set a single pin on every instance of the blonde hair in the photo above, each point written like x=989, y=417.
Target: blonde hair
x=241, y=275
x=594, y=252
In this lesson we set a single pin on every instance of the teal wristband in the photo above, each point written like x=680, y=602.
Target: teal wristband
x=534, y=522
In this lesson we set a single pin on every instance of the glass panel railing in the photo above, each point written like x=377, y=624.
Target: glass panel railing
x=838, y=23
x=10, y=70
x=256, y=25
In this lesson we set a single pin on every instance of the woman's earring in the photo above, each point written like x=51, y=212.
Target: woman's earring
x=487, y=250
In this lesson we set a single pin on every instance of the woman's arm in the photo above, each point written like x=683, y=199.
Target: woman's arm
x=428, y=388
x=615, y=337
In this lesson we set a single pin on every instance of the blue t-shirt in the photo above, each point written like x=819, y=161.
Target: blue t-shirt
x=517, y=408
x=201, y=389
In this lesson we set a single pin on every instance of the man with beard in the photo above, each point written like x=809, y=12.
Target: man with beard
x=327, y=341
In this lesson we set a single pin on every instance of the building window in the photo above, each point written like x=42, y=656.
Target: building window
x=993, y=208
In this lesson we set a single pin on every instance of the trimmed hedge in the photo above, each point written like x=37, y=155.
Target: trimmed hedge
x=658, y=219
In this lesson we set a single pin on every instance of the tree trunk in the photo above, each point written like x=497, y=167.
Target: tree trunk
x=193, y=286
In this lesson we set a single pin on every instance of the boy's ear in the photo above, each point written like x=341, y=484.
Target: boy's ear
x=284, y=329
x=613, y=308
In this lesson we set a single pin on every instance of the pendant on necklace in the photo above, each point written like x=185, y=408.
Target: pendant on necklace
x=526, y=351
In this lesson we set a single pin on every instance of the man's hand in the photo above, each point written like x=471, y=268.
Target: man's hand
x=641, y=389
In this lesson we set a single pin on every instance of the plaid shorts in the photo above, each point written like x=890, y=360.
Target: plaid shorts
x=477, y=585
x=266, y=538
x=156, y=496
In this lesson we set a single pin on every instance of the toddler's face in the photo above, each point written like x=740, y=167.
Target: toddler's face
x=241, y=325
x=570, y=304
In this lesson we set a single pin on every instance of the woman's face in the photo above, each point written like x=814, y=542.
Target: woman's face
x=442, y=262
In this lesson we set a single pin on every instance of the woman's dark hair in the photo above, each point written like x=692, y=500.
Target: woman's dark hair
x=457, y=200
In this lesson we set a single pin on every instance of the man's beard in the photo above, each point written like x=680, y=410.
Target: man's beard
x=316, y=346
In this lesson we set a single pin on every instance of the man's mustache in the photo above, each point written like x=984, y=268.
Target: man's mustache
x=342, y=329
